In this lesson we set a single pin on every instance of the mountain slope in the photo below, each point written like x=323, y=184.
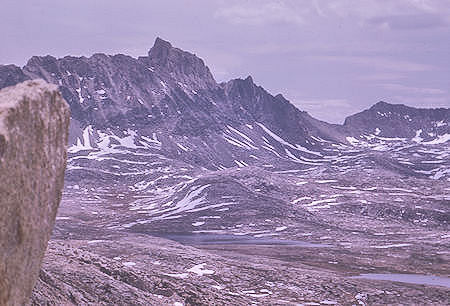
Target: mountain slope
x=171, y=98
x=167, y=106
x=398, y=120
x=158, y=148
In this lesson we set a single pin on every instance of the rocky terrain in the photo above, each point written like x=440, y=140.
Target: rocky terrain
x=183, y=191
x=34, y=123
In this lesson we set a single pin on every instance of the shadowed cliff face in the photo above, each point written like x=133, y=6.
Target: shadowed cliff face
x=11, y=75
x=34, y=122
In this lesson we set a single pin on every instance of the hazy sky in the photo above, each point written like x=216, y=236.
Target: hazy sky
x=328, y=57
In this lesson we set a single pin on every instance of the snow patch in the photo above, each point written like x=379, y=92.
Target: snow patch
x=80, y=97
x=400, y=245
x=240, y=134
x=417, y=138
x=198, y=269
x=280, y=228
x=440, y=139
x=198, y=223
x=352, y=140
x=177, y=275
x=284, y=142
x=84, y=143
x=182, y=147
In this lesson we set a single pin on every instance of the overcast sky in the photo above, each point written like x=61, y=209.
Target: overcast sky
x=328, y=57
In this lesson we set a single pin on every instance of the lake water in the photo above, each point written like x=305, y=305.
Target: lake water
x=409, y=278
x=211, y=239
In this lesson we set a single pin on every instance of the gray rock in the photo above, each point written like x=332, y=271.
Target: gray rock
x=34, y=121
x=169, y=103
x=398, y=120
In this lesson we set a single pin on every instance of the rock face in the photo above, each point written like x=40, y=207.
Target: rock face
x=168, y=101
x=172, y=94
x=34, y=121
x=398, y=120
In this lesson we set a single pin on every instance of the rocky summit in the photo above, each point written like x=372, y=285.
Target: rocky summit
x=34, y=122
x=181, y=190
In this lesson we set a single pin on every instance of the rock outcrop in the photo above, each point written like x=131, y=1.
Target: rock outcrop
x=34, y=121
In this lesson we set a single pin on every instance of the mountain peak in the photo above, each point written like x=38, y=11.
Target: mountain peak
x=161, y=45
x=37, y=60
x=249, y=79
x=161, y=42
x=187, y=66
x=381, y=105
x=160, y=51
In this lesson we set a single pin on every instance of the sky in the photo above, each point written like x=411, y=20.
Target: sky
x=331, y=58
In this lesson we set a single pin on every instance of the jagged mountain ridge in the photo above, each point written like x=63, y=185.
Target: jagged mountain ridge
x=172, y=94
x=169, y=83
x=170, y=103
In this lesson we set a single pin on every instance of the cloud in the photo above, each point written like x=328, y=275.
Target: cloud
x=386, y=14
x=257, y=13
x=319, y=103
x=426, y=102
x=408, y=22
x=413, y=90
x=379, y=63
x=391, y=14
x=382, y=77
x=367, y=9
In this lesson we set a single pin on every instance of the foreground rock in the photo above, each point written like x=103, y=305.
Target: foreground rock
x=34, y=121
